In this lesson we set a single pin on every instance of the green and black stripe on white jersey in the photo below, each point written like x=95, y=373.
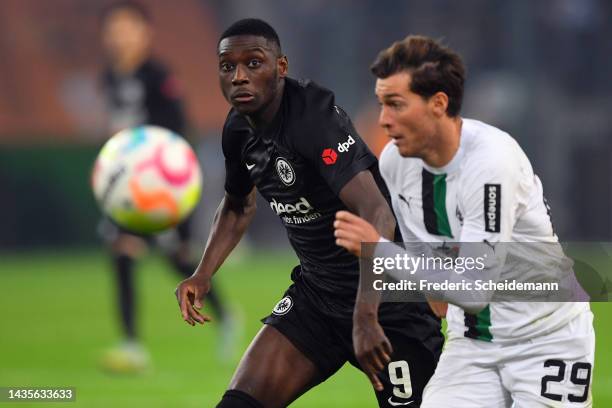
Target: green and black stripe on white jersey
x=436, y=222
x=434, y=204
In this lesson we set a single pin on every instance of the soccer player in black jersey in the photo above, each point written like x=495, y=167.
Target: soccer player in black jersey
x=288, y=140
x=139, y=90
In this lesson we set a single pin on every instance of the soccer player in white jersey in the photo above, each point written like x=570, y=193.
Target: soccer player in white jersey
x=454, y=179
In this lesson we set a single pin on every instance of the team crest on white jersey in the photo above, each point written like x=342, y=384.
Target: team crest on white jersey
x=459, y=216
x=283, y=306
x=285, y=171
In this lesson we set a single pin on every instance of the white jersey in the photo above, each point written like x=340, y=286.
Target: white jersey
x=489, y=192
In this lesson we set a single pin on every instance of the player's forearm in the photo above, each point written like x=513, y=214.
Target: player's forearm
x=366, y=306
x=229, y=225
x=382, y=219
x=363, y=197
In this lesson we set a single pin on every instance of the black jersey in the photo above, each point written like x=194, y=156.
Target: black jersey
x=147, y=96
x=299, y=163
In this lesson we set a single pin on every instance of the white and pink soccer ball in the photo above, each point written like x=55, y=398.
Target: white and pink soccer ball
x=147, y=179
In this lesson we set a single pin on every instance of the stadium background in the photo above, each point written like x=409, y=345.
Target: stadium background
x=539, y=70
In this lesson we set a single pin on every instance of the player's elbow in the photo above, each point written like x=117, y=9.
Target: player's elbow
x=249, y=210
x=241, y=207
x=250, y=204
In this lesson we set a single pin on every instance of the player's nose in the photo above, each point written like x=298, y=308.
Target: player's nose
x=240, y=76
x=383, y=118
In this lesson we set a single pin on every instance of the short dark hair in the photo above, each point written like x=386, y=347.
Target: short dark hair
x=129, y=5
x=432, y=66
x=252, y=26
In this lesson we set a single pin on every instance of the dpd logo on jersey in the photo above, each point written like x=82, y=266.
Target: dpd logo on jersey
x=345, y=146
x=329, y=156
x=285, y=171
x=283, y=306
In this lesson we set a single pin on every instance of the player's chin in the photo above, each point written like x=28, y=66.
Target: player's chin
x=246, y=108
x=404, y=148
x=405, y=152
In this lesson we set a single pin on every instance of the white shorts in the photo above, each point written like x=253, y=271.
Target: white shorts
x=554, y=370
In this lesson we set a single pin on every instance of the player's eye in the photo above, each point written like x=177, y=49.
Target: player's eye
x=395, y=105
x=254, y=63
x=226, y=67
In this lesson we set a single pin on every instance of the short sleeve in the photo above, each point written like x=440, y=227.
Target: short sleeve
x=334, y=147
x=490, y=199
x=237, y=180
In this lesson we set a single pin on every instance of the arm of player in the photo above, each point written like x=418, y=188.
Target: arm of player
x=490, y=199
x=352, y=230
x=229, y=225
x=469, y=299
x=372, y=348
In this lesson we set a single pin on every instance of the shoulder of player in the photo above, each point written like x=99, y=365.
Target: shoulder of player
x=308, y=99
x=489, y=149
x=311, y=114
x=486, y=143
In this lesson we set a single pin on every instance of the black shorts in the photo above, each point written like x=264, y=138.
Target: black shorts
x=414, y=333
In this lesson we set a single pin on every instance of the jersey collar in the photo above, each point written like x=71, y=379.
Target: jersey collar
x=452, y=165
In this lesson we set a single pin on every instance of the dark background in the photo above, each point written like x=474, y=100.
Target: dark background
x=539, y=70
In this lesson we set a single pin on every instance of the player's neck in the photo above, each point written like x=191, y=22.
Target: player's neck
x=446, y=143
x=267, y=114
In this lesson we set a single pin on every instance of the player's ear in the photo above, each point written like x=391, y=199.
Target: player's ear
x=439, y=103
x=283, y=66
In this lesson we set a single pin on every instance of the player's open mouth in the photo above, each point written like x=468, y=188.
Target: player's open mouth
x=243, y=97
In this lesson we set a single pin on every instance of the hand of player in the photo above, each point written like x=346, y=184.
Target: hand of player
x=439, y=308
x=190, y=294
x=372, y=348
x=351, y=231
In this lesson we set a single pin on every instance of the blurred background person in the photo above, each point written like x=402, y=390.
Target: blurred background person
x=139, y=90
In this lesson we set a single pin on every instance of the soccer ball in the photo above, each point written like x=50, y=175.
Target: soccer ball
x=146, y=179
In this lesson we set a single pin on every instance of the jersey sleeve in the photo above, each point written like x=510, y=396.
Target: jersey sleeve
x=237, y=180
x=490, y=198
x=334, y=148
